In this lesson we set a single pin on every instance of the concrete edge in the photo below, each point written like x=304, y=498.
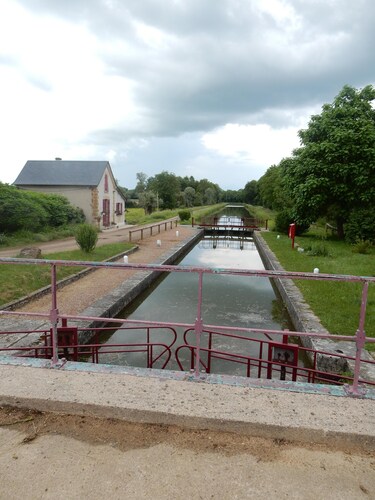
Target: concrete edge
x=287, y=416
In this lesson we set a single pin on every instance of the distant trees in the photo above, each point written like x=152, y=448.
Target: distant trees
x=167, y=187
x=189, y=196
x=167, y=190
x=21, y=209
x=250, y=192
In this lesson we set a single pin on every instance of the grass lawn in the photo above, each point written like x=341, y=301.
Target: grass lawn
x=137, y=215
x=336, y=304
x=19, y=280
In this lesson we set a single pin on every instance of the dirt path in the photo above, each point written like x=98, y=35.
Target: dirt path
x=105, y=237
x=54, y=456
x=74, y=298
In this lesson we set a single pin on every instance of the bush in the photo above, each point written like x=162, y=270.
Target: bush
x=284, y=218
x=362, y=246
x=87, y=237
x=184, y=215
x=361, y=226
x=318, y=250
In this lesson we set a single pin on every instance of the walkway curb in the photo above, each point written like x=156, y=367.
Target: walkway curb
x=297, y=417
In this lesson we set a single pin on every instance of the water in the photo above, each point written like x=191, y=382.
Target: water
x=235, y=301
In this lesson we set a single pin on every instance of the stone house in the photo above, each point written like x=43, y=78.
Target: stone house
x=89, y=185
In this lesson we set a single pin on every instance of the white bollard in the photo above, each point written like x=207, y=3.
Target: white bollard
x=177, y=234
x=316, y=270
x=158, y=243
x=126, y=259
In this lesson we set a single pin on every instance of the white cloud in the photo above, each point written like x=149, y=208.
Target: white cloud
x=259, y=144
x=131, y=81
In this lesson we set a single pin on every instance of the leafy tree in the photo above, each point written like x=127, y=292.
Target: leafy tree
x=210, y=196
x=141, y=182
x=148, y=200
x=271, y=189
x=230, y=195
x=250, y=192
x=167, y=187
x=332, y=174
x=189, y=195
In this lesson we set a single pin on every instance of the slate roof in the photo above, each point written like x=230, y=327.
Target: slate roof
x=61, y=173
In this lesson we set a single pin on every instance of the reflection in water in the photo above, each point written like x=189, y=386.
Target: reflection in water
x=235, y=301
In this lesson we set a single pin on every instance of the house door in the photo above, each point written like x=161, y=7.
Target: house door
x=106, y=212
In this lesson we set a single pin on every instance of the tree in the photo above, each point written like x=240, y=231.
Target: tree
x=167, y=187
x=250, y=192
x=210, y=196
x=271, y=189
x=333, y=172
x=148, y=201
x=189, y=195
x=141, y=182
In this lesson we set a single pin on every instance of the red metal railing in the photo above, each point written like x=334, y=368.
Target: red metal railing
x=199, y=327
x=264, y=366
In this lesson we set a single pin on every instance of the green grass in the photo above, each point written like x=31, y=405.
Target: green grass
x=24, y=237
x=262, y=213
x=336, y=304
x=137, y=215
x=19, y=280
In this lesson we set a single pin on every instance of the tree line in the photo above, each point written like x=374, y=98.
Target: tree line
x=167, y=191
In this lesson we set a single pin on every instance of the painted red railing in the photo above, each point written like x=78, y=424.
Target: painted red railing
x=199, y=327
x=262, y=364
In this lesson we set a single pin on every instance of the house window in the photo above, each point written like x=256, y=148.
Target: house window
x=106, y=183
x=119, y=209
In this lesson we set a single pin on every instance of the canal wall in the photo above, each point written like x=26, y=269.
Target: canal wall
x=304, y=320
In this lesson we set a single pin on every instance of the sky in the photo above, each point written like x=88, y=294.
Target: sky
x=216, y=89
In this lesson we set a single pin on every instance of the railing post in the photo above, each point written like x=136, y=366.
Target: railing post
x=54, y=316
x=198, y=325
x=355, y=390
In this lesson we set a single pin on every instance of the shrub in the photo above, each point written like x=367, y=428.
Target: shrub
x=362, y=246
x=318, y=250
x=87, y=237
x=184, y=215
x=284, y=218
x=361, y=226
x=3, y=239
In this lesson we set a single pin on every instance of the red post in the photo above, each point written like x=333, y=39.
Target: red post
x=292, y=233
x=198, y=326
x=54, y=316
x=360, y=343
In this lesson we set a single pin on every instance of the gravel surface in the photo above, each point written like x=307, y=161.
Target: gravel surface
x=77, y=296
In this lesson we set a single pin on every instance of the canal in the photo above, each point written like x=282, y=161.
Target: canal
x=228, y=300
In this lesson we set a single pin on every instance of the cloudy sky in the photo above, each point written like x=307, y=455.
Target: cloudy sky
x=216, y=89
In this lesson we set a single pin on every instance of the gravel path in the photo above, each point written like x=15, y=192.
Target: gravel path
x=77, y=296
